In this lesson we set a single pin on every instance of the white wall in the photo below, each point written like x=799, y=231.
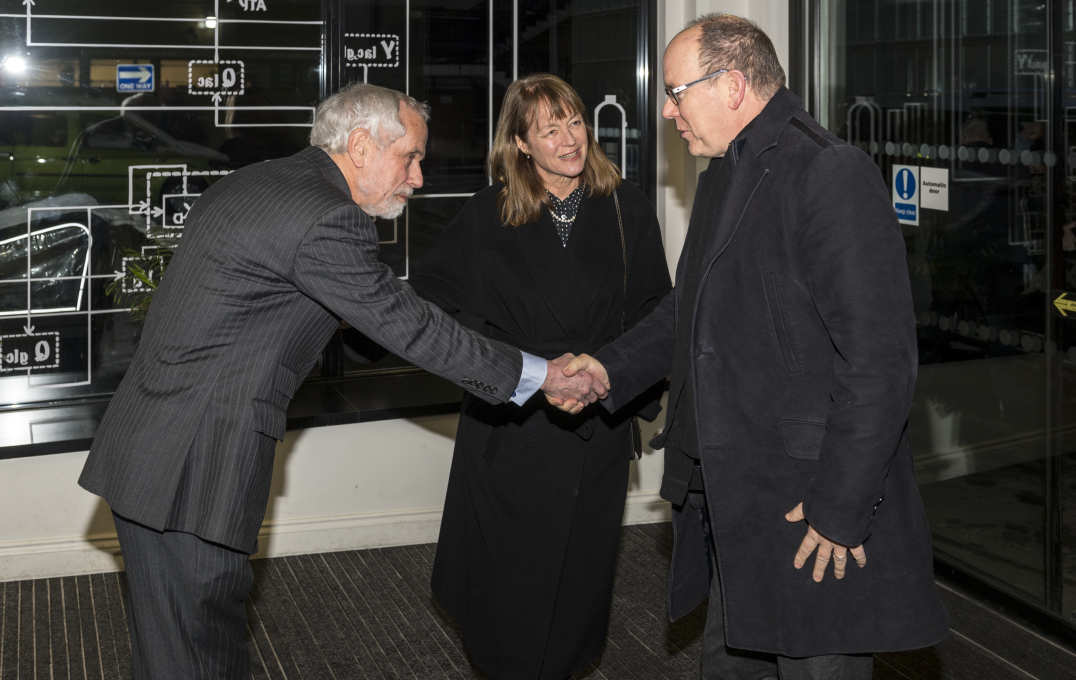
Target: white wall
x=334, y=488
x=348, y=486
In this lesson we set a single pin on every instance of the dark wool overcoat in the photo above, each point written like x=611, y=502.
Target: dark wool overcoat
x=802, y=351
x=531, y=524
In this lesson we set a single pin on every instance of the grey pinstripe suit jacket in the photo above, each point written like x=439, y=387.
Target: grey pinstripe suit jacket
x=271, y=255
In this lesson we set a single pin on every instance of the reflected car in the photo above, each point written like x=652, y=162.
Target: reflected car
x=50, y=153
x=65, y=237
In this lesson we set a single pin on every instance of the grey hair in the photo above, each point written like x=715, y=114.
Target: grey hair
x=373, y=108
x=734, y=43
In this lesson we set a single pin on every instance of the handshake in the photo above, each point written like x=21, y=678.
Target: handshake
x=573, y=382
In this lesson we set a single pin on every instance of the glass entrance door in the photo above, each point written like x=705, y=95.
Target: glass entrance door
x=968, y=107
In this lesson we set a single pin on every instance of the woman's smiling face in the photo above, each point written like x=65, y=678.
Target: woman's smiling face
x=558, y=148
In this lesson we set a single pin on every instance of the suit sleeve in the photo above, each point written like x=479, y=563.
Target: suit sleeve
x=641, y=356
x=858, y=279
x=337, y=265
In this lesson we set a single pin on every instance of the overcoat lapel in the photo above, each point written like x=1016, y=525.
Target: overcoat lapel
x=744, y=185
x=748, y=176
x=726, y=216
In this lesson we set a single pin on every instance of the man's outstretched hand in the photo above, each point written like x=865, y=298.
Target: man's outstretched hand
x=574, y=368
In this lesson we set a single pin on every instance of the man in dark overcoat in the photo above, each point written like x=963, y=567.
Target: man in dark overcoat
x=273, y=256
x=791, y=342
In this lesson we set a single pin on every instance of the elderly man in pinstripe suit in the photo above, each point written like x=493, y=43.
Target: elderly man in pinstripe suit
x=272, y=256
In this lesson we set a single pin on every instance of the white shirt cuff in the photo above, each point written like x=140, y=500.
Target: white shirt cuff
x=531, y=378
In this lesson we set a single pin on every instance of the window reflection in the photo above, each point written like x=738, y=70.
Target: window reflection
x=96, y=175
x=96, y=179
x=592, y=45
x=964, y=87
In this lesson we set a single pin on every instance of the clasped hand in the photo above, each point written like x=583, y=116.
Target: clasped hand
x=572, y=382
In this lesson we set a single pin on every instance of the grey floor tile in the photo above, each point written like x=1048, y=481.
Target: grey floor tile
x=369, y=615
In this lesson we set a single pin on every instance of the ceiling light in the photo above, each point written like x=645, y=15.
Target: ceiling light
x=211, y=22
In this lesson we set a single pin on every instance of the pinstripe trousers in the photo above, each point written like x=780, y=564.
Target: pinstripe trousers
x=186, y=605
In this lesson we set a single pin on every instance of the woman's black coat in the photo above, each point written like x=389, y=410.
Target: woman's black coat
x=531, y=525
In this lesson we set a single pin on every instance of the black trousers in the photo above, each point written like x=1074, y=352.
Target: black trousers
x=719, y=662
x=186, y=605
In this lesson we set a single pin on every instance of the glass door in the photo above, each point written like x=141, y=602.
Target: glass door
x=968, y=107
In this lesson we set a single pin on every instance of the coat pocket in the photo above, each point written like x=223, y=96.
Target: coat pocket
x=803, y=437
x=268, y=418
x=782, y=324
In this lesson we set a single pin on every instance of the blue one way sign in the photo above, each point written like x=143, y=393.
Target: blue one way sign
x=906, y=193
x=134, y=77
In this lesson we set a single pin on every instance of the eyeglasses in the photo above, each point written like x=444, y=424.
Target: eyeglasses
x=673, y=93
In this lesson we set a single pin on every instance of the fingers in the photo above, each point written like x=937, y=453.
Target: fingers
x=572, y=382
x=581, y=388
x=840, y=561
x=601, y=390
x=795, y=514
x=567, y=405
x=585, y=362
x=821, y=560
x=827, y=551
x=860, y=556
x=807, y=546
x=579, y=363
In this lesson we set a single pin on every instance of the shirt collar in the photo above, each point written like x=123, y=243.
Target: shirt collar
x=576, y=193
x=569, y=205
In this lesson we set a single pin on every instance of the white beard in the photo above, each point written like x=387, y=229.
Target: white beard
x=389, y=210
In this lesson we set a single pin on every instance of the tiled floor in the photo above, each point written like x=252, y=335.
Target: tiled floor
x=368, y=614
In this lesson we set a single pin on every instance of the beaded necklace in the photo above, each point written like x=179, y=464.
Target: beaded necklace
x=565, y=211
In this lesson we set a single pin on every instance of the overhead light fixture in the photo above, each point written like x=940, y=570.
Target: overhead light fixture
x=211, y=22
x=14, y=64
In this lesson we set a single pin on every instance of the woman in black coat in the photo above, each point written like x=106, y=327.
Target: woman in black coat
x=557, y=256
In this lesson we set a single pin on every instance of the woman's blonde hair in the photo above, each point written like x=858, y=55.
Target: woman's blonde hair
x=523, y=194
